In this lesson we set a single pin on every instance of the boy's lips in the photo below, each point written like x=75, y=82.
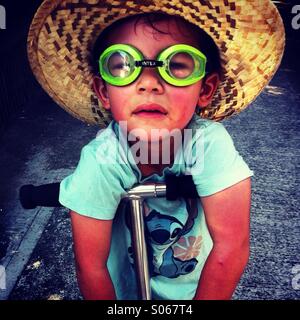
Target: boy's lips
x=151, y=110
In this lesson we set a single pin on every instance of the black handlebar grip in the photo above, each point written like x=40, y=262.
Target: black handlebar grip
x=45, y=195
x=180, y=186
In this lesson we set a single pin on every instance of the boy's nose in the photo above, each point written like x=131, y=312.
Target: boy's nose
x=149, y=81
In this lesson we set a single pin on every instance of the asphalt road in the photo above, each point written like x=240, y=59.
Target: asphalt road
x=43, y=145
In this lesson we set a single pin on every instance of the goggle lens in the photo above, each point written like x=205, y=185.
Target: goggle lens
x=181, y=65
x=120, y=64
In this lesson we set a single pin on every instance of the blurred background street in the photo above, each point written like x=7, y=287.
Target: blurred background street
x=40, y=143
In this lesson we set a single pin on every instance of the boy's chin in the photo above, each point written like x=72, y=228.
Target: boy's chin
x=153, y=136
x=149, y=133
x=146, y=137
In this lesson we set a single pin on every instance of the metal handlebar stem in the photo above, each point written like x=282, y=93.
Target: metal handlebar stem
x=136, y=197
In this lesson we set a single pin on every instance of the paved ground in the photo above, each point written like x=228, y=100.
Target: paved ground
x=43, y=145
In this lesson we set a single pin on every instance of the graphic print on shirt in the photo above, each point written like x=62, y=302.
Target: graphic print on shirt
x=188, y=247
x=166, y=237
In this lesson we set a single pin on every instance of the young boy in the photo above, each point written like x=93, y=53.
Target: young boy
x=157, y=68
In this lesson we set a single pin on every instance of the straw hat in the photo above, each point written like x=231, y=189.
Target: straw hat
x=249, y=34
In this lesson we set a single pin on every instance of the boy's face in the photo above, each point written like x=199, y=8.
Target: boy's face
x=178, y=103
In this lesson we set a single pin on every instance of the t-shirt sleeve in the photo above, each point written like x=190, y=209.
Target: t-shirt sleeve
x=93, y=189
x=221, y=165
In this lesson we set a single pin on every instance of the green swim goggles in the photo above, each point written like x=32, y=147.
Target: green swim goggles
x=179, y=65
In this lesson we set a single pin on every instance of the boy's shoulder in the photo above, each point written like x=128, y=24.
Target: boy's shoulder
x=104, y=137
x=207, y=127
x=211, y=136
x=108, y=147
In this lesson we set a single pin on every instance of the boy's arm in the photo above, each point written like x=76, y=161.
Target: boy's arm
x=227, y=216
x=92, y=239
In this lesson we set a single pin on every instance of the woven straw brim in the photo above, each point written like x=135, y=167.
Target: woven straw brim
x=249, y=34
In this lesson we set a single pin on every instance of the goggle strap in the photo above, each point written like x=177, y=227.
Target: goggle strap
x=149, y=63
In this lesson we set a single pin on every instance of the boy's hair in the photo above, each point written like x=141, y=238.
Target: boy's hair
x=206, y=43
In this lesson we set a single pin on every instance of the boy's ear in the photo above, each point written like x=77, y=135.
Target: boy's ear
x=100, y=89
x=209, y=87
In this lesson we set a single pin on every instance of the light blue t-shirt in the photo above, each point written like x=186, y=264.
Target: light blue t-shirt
x=176, y=232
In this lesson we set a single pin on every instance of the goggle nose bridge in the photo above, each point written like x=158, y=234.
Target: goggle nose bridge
x=149, y=63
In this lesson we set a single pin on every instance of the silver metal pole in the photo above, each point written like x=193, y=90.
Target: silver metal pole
x=136, y=197
x=139, y=247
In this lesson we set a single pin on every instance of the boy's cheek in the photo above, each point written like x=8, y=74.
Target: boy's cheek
x=121, y=98
x=185, y=98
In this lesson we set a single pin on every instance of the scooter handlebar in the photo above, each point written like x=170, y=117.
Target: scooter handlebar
x=47, y=195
